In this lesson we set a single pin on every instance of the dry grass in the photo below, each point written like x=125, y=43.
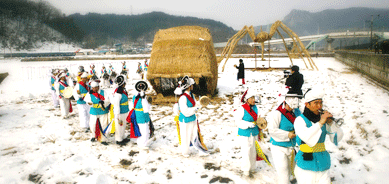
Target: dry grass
x=51, y=138
x=180, y=51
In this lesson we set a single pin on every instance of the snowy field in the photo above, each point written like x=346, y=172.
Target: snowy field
x=38, y=146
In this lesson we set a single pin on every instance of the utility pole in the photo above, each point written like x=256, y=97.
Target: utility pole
x=371, y=31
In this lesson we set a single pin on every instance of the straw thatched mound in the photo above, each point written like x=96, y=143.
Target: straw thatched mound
x=180, y=51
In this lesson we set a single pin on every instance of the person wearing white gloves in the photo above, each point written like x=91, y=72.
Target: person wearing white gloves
x=142, y=109
x=281, y=130
x=120, y=109
x=79, y=93
x=100, y=103
x=245, y=118
x=313, y=161
x=189, y=132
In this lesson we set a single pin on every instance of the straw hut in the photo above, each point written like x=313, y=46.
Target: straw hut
x=181, y=51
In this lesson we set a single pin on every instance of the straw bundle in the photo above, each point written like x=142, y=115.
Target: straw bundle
x=180, y=51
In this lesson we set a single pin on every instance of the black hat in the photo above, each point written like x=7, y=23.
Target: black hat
x=240, y=60
x=295, y=68
x=119, y=80
x=141, y=86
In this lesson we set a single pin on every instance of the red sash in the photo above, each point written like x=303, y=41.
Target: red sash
x=250, y=111
x=98, y=96
x=191, y=100
x=124, y=91
x=84, y=85
x=132, y=110
x=132, y=129
x=289, y=115
x=63, y=84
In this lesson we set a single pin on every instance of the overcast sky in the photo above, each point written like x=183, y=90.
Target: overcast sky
x=233, y=13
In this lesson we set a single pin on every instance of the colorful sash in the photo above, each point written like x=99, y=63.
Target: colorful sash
x=131, y=119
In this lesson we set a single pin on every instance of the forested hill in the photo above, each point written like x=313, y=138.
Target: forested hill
x=305, y=23
x=143, y=26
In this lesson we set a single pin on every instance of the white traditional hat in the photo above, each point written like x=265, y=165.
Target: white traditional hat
x=248, y=94
x=94, y=84
x=84, y=75
x=292, y=100
x=314, y=94
x=62, y=75
x=186, y=82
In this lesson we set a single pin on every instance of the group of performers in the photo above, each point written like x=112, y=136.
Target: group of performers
x=103, y=113
x=289, y=128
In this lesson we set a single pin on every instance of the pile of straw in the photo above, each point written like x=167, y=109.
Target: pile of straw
x=180, y=51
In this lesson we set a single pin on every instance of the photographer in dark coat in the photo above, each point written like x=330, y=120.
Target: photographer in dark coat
x=295, y=81
x=241, y=70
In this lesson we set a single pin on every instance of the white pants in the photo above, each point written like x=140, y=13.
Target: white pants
x=83, y=113
x=249, y=154
x=104, y=83
x=144, y=75
x=120, y=130
x=188, y=133
x=281, y=162
x=103, y=121
x=143, y=140
x=64, y=103
x=54, y=96
x=311, y=177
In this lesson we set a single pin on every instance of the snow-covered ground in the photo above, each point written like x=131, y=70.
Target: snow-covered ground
x=37, y=145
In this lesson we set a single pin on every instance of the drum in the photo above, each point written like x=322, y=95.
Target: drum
x=262, y=123
x=105, y=76
x=68, y=92
x=113, y=75
x=204, y=101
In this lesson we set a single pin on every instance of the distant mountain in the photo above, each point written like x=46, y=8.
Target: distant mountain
x=142, y=27
x=305, y=23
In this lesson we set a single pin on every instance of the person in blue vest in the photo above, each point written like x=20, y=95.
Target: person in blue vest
x=188, y=125
x=283, y=138
x=112, y=74
x=104, y=77
x=313, y=161
x=98, y=122
x=120, y=109
x=142, y=109
x=124, y=69
x=79, y=93
x=145, y=67
x=245, y=119
x=92, y=72
x=53, y=81
x=64, y=103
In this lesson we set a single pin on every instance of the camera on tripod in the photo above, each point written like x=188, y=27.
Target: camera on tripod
x=287, y=73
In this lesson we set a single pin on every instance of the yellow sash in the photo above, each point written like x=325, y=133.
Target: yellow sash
x=319, y=147
x=96, y=106
x=125, y=103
